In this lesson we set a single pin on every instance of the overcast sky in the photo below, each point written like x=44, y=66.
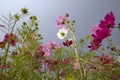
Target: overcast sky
x=86, y=13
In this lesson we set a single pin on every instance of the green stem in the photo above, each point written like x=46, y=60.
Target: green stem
x=5, y=57
x=7, y=50
x=76, y=48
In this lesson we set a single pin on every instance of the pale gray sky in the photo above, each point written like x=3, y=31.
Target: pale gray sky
x=86, y=13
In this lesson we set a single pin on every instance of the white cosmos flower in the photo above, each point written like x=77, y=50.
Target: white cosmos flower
x=62, y=33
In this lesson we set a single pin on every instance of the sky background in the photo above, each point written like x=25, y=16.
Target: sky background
x=86, y=13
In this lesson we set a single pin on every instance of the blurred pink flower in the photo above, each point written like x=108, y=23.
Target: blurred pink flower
x=62, y=73
x=43, y=51
x=2, y=25
x=119, y=25
x=61, y=21
x=76, y=66
x=106, y=59
x=52, y=45
x=1, y=66
x=7, y=66
x=95, y=44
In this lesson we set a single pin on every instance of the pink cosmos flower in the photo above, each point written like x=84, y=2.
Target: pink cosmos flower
x=61, y=21
x=52, y=45
x=94, y=29
x=76, y=66
x=106, y=59
x=43, y=51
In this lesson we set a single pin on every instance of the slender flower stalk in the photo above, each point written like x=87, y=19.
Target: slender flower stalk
x=7, y=49
x=76, y=48
x=74, y=41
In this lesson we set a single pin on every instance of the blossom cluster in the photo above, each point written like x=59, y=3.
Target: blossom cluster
x=12, y=38
x=102, y=31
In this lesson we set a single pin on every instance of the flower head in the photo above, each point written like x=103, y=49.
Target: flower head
x=42, y=51
x=68, y=42
x=76, y=66
x=95, y=44
x=61, y=21
x=52, y=45
x=16, y=16
x=24, y=11
x=62, y=33
x=104, y=59
x=110, y=19
x=12, y=38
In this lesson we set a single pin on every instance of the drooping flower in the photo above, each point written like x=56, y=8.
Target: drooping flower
x=95, y=44
x=62, y=33
x=68, y=42
x=61, y=21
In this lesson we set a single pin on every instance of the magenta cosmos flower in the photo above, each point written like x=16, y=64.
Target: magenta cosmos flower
x=61, y=21
x=68, y=42
x=110, y=19
x=95, y=44
x=12, y=38
x=102, y=31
